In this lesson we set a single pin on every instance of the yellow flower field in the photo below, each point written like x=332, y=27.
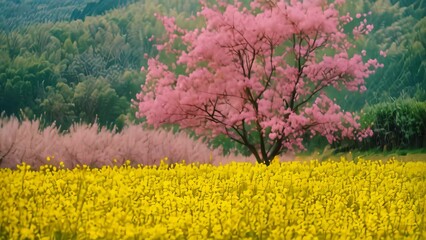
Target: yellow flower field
x=291, y=200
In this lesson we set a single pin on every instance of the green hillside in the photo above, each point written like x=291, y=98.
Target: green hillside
x=22, y=13
x=79, y=70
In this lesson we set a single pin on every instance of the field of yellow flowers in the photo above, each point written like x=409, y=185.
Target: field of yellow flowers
x=289, y=200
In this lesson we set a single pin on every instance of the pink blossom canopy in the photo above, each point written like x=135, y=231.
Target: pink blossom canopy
x=258, y=74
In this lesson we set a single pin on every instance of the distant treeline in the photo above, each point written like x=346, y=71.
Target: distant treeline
x=18, y=14
x=98, y=8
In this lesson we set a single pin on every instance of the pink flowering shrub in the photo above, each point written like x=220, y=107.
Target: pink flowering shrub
x=22, y=141
x=86, y=144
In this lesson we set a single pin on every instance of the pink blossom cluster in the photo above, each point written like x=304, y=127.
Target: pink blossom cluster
x=260, y=70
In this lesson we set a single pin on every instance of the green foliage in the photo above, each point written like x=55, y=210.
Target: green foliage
x=23, y=82
x=128, y=84
x=96, y=101
x=397, y=124
x=18, y=14
x=58, y=106
x=399, y=29
x=81, y=71
x=97, y=8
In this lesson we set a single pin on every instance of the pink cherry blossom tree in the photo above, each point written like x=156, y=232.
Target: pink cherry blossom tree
x=258, y=74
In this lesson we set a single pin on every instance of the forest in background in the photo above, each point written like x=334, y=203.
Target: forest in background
x=88, y=69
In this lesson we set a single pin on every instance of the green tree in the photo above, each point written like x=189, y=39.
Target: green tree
x=128, y=84
x=24, y=82
x=95, y=100
x=13, y=44
x=58, y=106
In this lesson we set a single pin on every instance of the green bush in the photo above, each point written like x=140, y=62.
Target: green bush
x=398, y=124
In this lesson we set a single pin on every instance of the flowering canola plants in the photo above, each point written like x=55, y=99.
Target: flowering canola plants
x=288, y=200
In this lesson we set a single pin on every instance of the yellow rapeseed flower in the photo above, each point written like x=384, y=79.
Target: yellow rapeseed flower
x=287, y=200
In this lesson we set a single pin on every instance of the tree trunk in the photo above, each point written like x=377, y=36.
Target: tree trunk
x=267, y=161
